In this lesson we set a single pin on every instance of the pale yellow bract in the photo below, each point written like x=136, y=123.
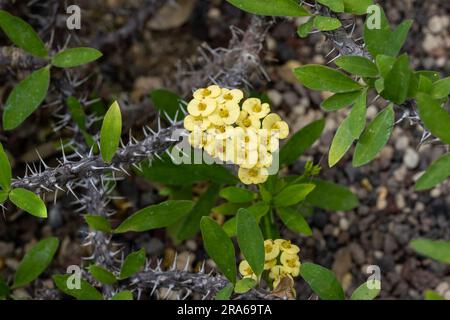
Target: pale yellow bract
x=245, y=136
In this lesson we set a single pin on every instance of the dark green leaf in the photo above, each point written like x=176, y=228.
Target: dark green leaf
x=156, y=216
x=338, y=198
x=318, y=77
x=284, y=8
x=334, y=5
x=441, y=88
x=374, y=137
x=5, y=170
x=98, y=223
x=340, y=100
x=322, y=281
x=133, y=263
x=219, y=247
x=258, y=210
x=225, y=293
x=396, y=83
x=250, y=240
x=237, y=195
x=300, y=141
x=228, y=208
x=4, y=289
x=35, y=261
x=85, y=292
x=357, y=6
x=377, y=39
x=292, y=194
x=25, y=98
x=29, y=202
x=123, y=295
x=385, y=64
x=304, y=29
x=167, y=102
x=244, y=285
x=397, y=38
x=435, y=174
x=111, y=132
x=102, y=275
x=342, y=141
x=367, y=291
x=434, y=249
x=77, y=112
x=432, y=75
x=326, y=23
x=357, y=65
x=294, y=221
x=435, y=118
x=3, y=196
x=22, y=34
x=357, y=117
x=75, y=57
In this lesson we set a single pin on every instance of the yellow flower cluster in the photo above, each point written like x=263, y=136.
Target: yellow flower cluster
x=243, y=134
x=281, y=260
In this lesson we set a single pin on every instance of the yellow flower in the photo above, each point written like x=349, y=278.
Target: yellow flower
x=271, y=250
x=246, y=271
x=270, y=141
x=287, y=246
x=291, y=262
x=255, y=108
x=273, y=123
x=250, y=159
x=248, y=121
x=201, y=107
x=197, y=139
x=234, y=95
x=277, y=271
x=220, y=132
x=254, y=175
x=265, y=158
x=192, y=123
x=277, y=281
x=225, y=114
x=210, y=92
x=269, y=264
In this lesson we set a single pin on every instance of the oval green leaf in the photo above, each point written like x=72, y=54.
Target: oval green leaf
x=111, y=132
x=123, y=295
x=29, y=202
x=338, y=198
x=284, y=8
x=133, y=263
x=322, y=281
x=441, y=89
x=225, y=293
x=292, y=194
x=294, y=221
x=435, y=249
x=98, y=223
x=434, y=116
x=435, y=174
x=102, y=275
x=367, y=291
x=357, y=65
x=75, y=57
x=340, y=100
x=244, y=285
x=326, y=23
x=85, y=292
x=5, y=170
x=237, y=195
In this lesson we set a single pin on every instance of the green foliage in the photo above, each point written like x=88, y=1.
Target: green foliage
x=432, y=295
x=322, y=281
x=5, y=170
x=98, y=223
x=123, y=295
x=133, y=263
x=22, y=34
x=396, y=83
x=85, y=292
x=102, y=275
x=166, y=102
x=111, y=132
x=258, y=210
x=244, y=285
x=338, y=198
x=357, y=65
x=225, y=293
x=294, y=220
x=237, y=195
x=304, y=29
x=357, y=6
x=435, y=118
x=434, y=249
x=288, y=8
x=364, y=292
x=29, y=202
x=156, y=216
x=435, y=174
x=4, y=289
x=326, y=23
x=292, y=195
x=250, y=240
x=340, y=100
x=35, y=261
x=441, y=88
x=334, y=5
x=74, y=57
x=219, y=247
x=25, y=98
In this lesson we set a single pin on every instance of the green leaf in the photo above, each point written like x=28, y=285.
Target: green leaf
x=377, y=39
x=432, y=295
x=250, y=240
x=435, y=174
x=98, y=223
x=294, y=221
x=133, y=263
x=5, y=170
x=304, y=29
x=4, y=288
x=334, y=5
x=425, y=85
x=292, y=194
x=342, y=141
x=340, y=100
x=156, y=216
x=385, y=64
x=300, y=141
x=225, y=293
x=237, y=195
x=397, y=38
x=111, y=132
x=363, y=292
x=432, y=75
x=35, y=261
x=396, y=83
x=258, y=210
x=317, y=77
x=228, y=208
x=360, y=66
x=357, y=6
x=85, y=292
x=338, y=198
x=244, y=285
x=29, y=202
x=22, y=34
x=326, y=23
x=322, y=281
x=357, y=116
x=219, y=247
x=434, y=116
x=3, y=196
x=434, y=249
x=75, y=57
x=76, y=111
x=123, y=295
x=190, y=224
x=441, y=89
x=167, y=102
x=284, y=8
x=374, y=137
x=25, y=98
x=102, y=275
